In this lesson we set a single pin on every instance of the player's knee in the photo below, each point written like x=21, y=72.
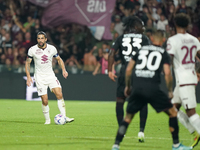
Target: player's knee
x=45, y=103
x=190, y=112
x=59, y=95
x=120, y=100
x=172, y=112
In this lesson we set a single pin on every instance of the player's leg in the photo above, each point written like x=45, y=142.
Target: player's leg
x=188, y=98
x=174, y=129
x=120, y=98
x=182, y=117
x=122, y=130
x=42, y=92
x=160, y=102
x=134, y=105
x=143, y=118
x=194, y=120
x=120, y=109
x=61, y=103
x=45, y=108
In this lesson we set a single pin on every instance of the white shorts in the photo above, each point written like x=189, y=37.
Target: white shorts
x=43, y=82
x=185, y=95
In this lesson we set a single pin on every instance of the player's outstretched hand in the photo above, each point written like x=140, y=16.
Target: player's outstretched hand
x=65, y=74
x=127, y=91
x=29, y=81
x=112, y=76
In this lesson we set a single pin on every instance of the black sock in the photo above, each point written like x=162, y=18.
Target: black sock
x=173, y=123
x=120, y=112
x=143, y=118
x=121, y=132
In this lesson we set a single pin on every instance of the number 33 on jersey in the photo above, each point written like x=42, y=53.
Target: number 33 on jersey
x=128, y=44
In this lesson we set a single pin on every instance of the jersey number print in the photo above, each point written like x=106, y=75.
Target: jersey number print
x=188, y=52
x=128, y=43
x=147, y=60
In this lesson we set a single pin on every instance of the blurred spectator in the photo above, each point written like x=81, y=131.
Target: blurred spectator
x=28, y=41
x=35, y=29
x=118, y=25
x=8, y=66
x=89, y=60
x=3, y=59
x=17, y=68
x=72, y=65
x=9, y=54
x=18, y=41
x=149, y=25
x=157, y=14
x=181, y=8
x=2, y=35
x=103, y=63
x=7, y=43
x=144, y=14
x=112, y=29
x=21, y=55
x=30, y=22
x=162, y=22
x=171, y=14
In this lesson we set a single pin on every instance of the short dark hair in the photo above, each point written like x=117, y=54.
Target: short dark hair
x=43, y=33
x=159, y=33
x=131, y=22
x=182, y=20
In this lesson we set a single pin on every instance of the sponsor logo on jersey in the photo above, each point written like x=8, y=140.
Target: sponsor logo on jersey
x=44, y=58
x=38, y=52
x=145, y=73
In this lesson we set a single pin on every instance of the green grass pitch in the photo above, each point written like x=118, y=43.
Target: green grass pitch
x=95, y=126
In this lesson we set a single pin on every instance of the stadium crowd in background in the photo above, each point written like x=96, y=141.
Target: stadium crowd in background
x=21, y=20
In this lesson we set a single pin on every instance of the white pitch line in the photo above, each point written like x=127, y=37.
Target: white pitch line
x=90, y=137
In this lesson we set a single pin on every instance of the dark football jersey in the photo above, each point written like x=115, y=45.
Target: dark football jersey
x=128, y=44
x=149, y=64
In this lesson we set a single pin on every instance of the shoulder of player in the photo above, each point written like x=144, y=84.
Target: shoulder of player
x=193, y=37
x=50, y=46
x=33, y=47
x=153, y=48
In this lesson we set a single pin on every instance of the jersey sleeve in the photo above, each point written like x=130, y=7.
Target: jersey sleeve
x=171, y=47
x=198, y=45
x=30, y=53
x=55, y=54
x=166, y=58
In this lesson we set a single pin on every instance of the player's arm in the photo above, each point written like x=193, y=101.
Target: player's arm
x=128, y=74
x=197, y=65
x=62, y=66
x=111, y=59
x=27, y=69
x=168, y=79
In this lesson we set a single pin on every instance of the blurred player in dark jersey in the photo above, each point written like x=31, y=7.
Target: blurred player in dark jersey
x=128, y=44
x=144, y=69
